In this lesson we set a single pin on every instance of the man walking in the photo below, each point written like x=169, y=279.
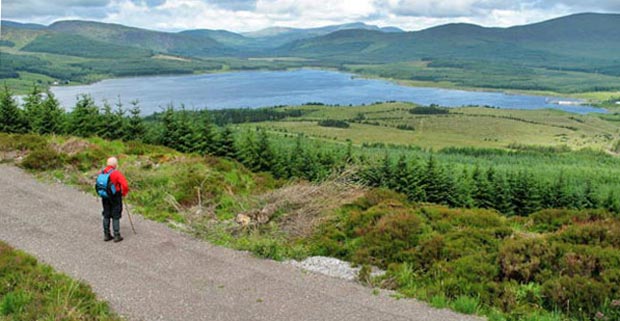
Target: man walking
x=112, y=187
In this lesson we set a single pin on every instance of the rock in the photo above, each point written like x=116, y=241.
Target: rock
x=243, y=219
x=331, y=267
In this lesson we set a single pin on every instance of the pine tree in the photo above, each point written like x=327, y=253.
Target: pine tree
x=208, y=135
x=52, y=116
x=247, y=152
x=227, y=144
x=415, y=190
x=463, y=190
x=265, y=152
x=297, y=160
x=437, y=183
x=33, y=109
x=11, y=117
x=525, y=194
x=502, y=199
x=188, y=138
x=560, y=197
x=135, y=129
x=400, y=178
x=385, y=172
x=119, y=125
x=280, y=165
x=590, y=197
x=85, y=120
x=309, y=167
x=107, y=129
x=482, y=190
x=169, y=132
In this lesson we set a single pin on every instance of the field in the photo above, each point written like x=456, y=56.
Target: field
x=392, y=123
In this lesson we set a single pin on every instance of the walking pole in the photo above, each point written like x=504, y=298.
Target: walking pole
x=130, y=221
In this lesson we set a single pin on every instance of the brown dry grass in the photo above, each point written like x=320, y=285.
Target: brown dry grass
x=72, y=146
x=299, y=207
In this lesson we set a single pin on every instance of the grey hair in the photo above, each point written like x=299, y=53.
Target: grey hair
x=112, y=161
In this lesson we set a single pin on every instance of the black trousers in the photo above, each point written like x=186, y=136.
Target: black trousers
x=112, y=209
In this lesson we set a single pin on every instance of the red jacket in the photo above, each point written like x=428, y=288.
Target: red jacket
x=118, y=180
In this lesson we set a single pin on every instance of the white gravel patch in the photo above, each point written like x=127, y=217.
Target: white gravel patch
x=332, y=267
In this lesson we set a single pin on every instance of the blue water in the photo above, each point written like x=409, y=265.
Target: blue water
x=270, y=88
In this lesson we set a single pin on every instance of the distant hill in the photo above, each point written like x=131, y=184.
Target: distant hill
x=13, y=24
x=164, y=42
x=278, y=36
x=563, y=41
x=224, y=37
x=76, y=45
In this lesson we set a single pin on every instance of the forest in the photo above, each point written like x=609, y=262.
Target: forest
x=422, y=177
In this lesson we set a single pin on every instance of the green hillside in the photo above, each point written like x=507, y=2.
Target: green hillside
x=222, y=36
x=567, y=40
x=164, y=42
x=75, y=45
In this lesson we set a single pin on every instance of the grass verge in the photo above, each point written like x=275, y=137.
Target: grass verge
x=30, y=290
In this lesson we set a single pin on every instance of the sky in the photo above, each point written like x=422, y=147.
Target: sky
x=251, y=15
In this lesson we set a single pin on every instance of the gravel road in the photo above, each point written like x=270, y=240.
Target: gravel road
x=161, y=274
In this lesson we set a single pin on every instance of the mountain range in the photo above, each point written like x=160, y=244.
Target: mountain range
x=588, y=35
x=587, y=42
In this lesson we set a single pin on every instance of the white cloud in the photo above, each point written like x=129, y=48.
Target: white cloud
x=249, y=15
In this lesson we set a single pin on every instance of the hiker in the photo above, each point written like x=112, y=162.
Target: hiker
x=112, y=187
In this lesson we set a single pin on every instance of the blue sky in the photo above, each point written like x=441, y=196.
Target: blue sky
x=250, y=15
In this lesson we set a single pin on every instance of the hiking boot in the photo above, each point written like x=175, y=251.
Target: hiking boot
x=107, y=238
x=117, y=238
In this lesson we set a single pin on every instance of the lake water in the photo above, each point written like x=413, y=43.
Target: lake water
x=270, y=88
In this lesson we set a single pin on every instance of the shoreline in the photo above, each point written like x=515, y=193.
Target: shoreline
x=582, y=96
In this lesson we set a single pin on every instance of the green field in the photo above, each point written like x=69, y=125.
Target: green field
x=461, y=127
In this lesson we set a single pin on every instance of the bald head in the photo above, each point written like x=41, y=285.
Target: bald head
x=112, y=161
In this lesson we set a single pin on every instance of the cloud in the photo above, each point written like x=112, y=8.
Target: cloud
x=19, y=9
x=249, y=15
x=149, y=3
x=236, y=5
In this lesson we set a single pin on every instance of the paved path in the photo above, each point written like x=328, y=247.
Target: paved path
x=161, y=274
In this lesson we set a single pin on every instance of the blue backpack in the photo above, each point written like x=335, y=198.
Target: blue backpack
x=104, y=186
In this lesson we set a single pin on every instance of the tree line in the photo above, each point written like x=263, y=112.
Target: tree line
x=422, y=180
x=42, y=114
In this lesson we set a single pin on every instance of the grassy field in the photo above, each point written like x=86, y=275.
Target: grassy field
x=471, y=127
x=30, y=290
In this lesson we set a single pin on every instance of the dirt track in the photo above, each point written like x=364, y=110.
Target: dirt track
x=161, y=274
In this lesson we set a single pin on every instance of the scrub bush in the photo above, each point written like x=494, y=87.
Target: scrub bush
x=523, y=260
x=578, y=296
x=44, y=158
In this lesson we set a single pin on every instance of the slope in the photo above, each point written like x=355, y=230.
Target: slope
x=160, y=274
x=556, y=43
x=163, y=42
x=76, y=45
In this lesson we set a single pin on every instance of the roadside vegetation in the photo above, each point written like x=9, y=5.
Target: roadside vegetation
x=30, y=290
x=514, y=233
